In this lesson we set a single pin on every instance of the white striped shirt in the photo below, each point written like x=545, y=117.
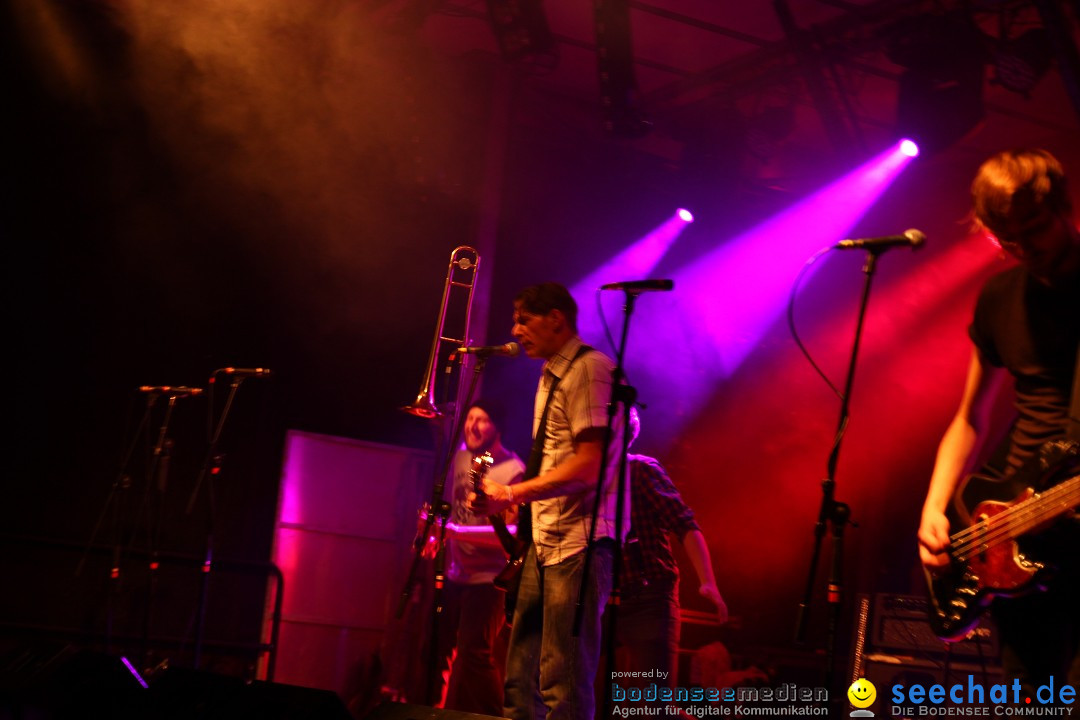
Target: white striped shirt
x=561, y=524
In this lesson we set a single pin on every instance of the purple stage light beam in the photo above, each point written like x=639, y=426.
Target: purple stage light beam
x=634, y=263
x=726, y=301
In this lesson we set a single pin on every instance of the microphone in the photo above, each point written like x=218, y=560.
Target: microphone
x=912, y=238
x=244, y=372
x=510, y=349
x=640, y=286
x=171, y=390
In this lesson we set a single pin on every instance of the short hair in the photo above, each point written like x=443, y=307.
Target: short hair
x=1016, y=185
x=545, y=297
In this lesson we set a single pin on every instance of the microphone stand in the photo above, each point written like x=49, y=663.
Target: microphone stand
x=117, y=493
x=211, y=467
x=625, y=395
x=834, y=514
x=439, y=509
x=158, y=469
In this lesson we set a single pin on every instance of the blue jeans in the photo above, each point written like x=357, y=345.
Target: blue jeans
x=648, y=631
x=549, y=672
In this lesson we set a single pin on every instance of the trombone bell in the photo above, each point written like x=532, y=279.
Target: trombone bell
x=423, y=406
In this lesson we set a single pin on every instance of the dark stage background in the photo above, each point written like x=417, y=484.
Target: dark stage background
x=280, y=185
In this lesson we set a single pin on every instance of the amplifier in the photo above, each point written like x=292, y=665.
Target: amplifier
x=884, y=671
x=892, y=631
x=898, y=623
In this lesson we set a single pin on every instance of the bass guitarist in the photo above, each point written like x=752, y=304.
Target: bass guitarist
x=1027, y=322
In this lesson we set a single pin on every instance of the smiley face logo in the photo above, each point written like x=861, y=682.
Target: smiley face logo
x=862, y=693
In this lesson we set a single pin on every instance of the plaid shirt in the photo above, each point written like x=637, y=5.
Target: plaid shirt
x=656, y=508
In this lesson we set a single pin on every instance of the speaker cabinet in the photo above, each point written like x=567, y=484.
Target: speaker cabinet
x=193, y=694
x=47, y=682
x=888, y=670
x=894, y=645
x=57, y=681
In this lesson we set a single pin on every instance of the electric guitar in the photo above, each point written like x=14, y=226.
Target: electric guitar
x=509, y=578
x=985, y=560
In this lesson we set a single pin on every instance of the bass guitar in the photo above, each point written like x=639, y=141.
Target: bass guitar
x=985, y=559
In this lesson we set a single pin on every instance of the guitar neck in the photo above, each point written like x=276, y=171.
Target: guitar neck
x=1047, y=506
x=1021, y=518
x=509, y=542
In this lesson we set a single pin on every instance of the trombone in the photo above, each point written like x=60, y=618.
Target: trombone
x=460, y=278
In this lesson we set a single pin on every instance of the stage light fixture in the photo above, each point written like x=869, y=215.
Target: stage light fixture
x=940, y=95
x=1020, y=63
x=619, y=96
x=909, y=147
x=685, y=215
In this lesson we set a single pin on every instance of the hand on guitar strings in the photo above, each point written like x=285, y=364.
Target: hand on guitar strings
x=494, y=500
x=934, y=540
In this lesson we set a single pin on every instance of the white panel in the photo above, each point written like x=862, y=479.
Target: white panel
x=346, y=516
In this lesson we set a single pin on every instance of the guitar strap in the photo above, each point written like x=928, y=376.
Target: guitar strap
x=1072, y=429
x=536, y=454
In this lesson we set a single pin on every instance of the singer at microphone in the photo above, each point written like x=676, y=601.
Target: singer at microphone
x=510, y=349
x=911, y=238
